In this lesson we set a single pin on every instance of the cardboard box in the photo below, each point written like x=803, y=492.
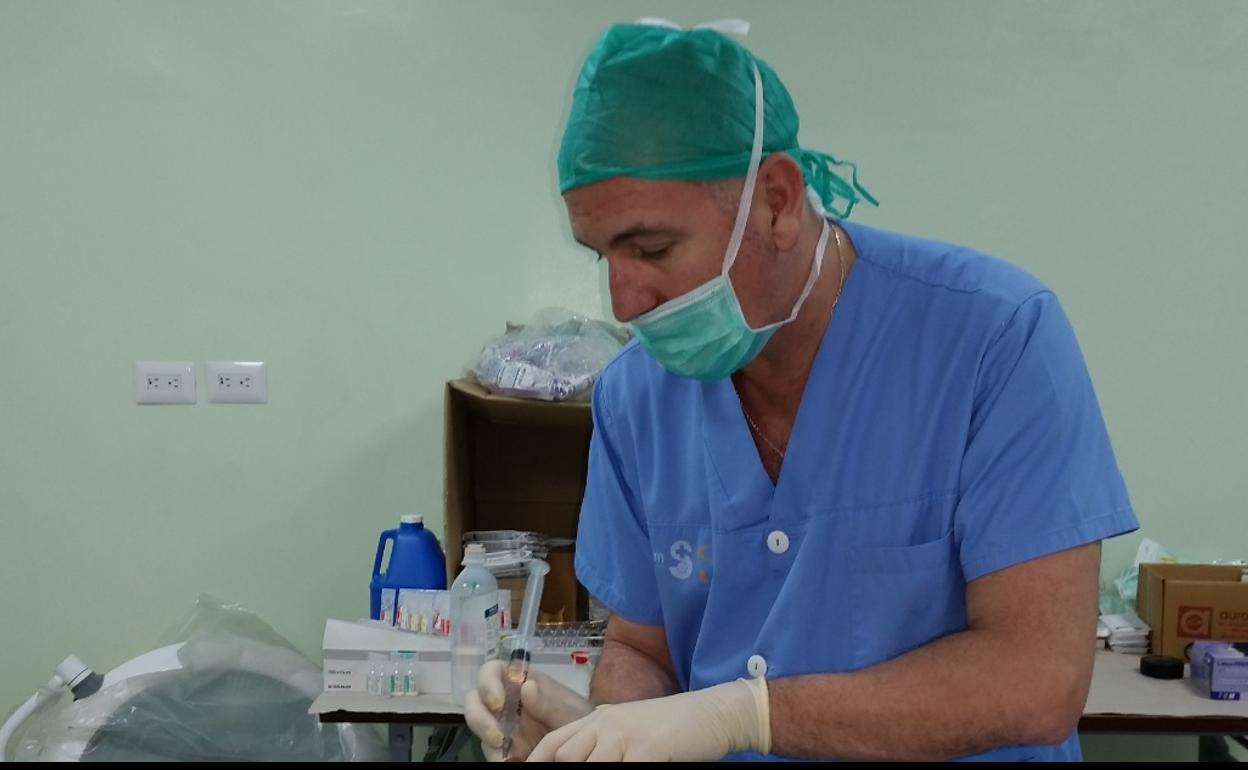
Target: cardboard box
x=346, y=647
x=517, y=464
x=1186, y=603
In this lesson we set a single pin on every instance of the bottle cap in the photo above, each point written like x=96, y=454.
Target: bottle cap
x=474, y=554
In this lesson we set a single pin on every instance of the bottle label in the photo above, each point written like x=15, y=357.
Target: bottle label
x=491, y=632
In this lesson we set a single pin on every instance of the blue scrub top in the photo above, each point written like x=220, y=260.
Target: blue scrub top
x=948, y=429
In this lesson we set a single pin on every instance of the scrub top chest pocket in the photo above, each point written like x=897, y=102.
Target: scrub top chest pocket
x=904, y=597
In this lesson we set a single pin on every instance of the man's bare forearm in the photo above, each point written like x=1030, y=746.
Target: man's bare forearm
x=1018, y=675
x=964, y=694
x=624, y=674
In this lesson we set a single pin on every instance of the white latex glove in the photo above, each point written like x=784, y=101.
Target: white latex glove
x=544, y=706
x=698, y=726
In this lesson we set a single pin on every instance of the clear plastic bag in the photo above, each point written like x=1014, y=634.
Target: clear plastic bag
x=555, y=357
x=237, y=692
x=1118, y=596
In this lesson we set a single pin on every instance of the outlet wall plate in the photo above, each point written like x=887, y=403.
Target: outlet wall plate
x=237, y=382
x=164, y=382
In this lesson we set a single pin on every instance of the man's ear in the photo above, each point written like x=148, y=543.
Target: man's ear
x=784, y=195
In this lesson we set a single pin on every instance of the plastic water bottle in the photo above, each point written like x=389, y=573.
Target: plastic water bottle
x=474, y=622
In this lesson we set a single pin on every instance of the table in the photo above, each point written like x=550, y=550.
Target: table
x=1122, y=700
x=400, y=714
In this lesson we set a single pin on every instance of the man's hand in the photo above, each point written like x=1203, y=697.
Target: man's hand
x=544, y=706
x=703, y=725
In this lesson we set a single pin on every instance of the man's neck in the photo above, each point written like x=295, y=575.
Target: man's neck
x=778, y=375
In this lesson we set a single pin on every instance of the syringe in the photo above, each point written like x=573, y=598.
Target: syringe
x=518, y=662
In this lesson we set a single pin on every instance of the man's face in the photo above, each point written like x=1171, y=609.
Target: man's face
x=662, y=239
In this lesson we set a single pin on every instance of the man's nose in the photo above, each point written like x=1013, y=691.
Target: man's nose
x=630, y=294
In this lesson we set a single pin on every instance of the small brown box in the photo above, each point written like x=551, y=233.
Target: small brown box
x=517, y=464
x=1186, y=603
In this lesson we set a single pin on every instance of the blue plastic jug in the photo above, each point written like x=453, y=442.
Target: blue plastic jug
x=416, y=561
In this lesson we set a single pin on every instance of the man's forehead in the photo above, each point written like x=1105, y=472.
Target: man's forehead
x=638, y=231
x=619, y=205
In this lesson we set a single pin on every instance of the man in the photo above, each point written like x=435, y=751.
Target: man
x=846, y=490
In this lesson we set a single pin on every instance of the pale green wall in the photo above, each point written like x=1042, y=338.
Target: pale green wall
x=360, y=193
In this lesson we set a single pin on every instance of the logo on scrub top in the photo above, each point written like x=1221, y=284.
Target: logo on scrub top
x=1195, y=622
x=685, y=556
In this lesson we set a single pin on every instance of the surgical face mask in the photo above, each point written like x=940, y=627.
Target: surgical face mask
x=704, y=334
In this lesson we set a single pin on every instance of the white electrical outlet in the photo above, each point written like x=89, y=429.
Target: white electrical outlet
x=164, y=382
x=238, y=382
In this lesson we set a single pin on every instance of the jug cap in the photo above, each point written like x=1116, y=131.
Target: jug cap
x=474, y=554
x=411, y=518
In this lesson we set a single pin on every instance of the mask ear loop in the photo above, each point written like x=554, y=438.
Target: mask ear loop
x=743, y=209
x=810, y=279
x=751, y=176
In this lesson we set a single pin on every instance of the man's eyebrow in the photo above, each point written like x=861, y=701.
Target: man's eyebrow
x=637, y=231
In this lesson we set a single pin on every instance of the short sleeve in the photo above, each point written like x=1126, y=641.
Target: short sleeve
x=1038, y=473
x=614, y=560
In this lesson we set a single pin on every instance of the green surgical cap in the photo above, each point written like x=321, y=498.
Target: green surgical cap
x=656, y=102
